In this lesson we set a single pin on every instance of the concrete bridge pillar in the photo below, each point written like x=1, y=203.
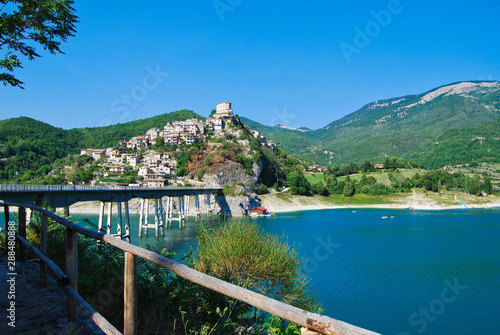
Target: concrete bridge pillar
x=127, y=221
x=187, y=199
x=121, y=231
x=29, y=216
x=101, y=217
x=209, y=206
x=181, y=208
x=156, y=217
x=108, y=223
x=66, y=206
x=119, y=225
x=197, y=208
x=161, y=226
x=170, y=209
x=146, y=215
x=140, y=217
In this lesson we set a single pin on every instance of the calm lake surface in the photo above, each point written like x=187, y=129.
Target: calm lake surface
x=391, y=271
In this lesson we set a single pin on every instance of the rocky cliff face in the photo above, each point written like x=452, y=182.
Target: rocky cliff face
x=236, y=202
x=237, y=205
x=233, y=174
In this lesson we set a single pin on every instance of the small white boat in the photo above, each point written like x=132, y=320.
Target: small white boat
x=261, y=215
x=384, y=217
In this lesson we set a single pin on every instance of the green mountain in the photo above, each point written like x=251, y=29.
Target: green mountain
x=293, y=141
x=28, y=144
x=479, y=144
x=104, y=137
x=401, y=127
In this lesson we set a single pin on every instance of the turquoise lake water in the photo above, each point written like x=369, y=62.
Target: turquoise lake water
x=391, y=271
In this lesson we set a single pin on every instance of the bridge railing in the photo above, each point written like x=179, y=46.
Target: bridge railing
x=44, y=188
x=314, y=323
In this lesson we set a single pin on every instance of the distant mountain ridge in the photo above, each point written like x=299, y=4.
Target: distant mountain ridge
x=451, y=124
x=400, y=127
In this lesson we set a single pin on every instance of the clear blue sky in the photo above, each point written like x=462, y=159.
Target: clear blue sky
x=295, y=62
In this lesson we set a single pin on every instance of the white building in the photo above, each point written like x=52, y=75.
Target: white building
x=153, y=133
x=132, y=160
x=154, y=182
x=223, y=110
x=143, y=171
x=96, y=154
x=138, y=142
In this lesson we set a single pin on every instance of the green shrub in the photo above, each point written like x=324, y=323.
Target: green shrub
x=241, y=253
x=208, y=161
x=201, y=173
x=215, y=139
x=262, y=189
x=246, y=163
x=348, y=190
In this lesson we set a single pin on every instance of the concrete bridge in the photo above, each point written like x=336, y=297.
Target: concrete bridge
x=63, y=196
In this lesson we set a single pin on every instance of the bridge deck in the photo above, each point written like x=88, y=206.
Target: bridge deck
x=66, y=195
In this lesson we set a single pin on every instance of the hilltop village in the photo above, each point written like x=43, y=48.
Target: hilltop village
x=142, y=156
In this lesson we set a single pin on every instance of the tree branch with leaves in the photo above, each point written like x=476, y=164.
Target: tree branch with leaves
x=25, y=24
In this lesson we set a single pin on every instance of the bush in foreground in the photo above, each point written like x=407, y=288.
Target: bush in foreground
x=242, y=254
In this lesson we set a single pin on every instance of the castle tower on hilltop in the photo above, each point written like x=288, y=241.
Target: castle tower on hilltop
x=223, y=110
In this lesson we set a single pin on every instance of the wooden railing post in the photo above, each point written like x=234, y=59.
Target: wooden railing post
x=71, y=238
x=130, y=295
x=6, y=225
x=43, y=250
x=22, y=231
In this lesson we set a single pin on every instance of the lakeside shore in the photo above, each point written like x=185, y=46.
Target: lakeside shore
x=277, y=203
x=274, y=204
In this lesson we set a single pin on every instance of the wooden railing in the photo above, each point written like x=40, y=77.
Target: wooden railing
x=69, y=281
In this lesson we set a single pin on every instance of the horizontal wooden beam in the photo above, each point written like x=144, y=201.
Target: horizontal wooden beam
x=98, y=319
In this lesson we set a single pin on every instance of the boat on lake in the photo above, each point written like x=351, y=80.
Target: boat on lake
x=259, y=212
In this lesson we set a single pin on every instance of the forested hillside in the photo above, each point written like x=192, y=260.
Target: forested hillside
x=287, y=139
x=28, y=144
x=474, y=144
x=103, y=137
